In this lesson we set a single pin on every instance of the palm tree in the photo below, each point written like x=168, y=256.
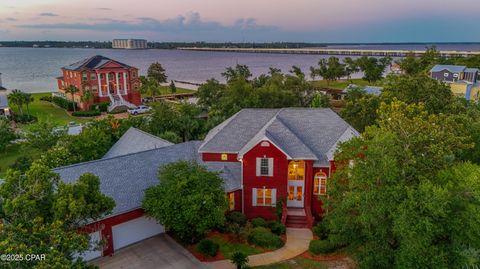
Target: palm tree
x=27, y=99
x=239, y=259
x=87, y=96
x=17, y=97
x=72, y=90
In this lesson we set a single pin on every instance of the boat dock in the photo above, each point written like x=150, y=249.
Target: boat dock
x=339, y=52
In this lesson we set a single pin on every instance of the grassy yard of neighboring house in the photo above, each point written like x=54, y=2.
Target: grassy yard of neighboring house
x=12, y=152
x=296, y=263
x=44, y=110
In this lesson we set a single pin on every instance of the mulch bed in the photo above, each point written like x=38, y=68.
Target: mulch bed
x=200, y=257
x=320, y=258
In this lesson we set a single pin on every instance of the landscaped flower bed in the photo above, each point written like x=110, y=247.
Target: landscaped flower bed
x=250, y=237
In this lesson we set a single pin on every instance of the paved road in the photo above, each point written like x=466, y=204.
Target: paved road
x=157, y=252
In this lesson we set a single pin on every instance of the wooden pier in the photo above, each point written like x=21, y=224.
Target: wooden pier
x=338, y=52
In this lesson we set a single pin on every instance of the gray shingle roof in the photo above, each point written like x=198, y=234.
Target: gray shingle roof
x=303, y=133
x=125, y=178
x=135, y=140
x=92, y=63
x=471, y=70
x=451, y=68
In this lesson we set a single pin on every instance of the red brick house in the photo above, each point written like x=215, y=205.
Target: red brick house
x=108, y=81
x=263, y=155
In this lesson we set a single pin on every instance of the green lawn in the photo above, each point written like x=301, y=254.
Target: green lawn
x=47, y=111
x=12, y=152
x=296, y=263
x=342, y=84
x=228, y=248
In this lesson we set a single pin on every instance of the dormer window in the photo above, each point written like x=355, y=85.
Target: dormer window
x=265, y=167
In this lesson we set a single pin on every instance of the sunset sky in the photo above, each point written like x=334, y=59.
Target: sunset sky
x=242, y=20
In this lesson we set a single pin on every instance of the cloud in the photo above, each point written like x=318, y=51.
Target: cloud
x=48, y=14
x=11, y=19
x=104, y=8
x=191, y=24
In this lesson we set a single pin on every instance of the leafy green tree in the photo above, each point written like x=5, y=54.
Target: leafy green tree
x=330, y=69
x=171, y=136
x=373, y=68
x=149, y=86
x=43, y=134
x=72, y=90
x=351, y=67
x=209, y=93
x=373, y=196
x=436, y=96
x=157, y=73
x=360, y=109
x=173, y=88
x=41, y=215
x=189, y=123
x=6, y=133
x=410, y=64
x=163, y=119
x=320, y=100
x=189, y=200
x=238, y=72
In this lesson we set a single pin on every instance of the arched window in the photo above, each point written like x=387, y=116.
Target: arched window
x=320, y=183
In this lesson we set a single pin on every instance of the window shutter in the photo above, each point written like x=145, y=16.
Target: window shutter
x=274, y=197
x=259, y=162
x=270, y=167
x=254, y=195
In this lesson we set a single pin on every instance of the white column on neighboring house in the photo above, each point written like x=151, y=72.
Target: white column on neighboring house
x=100, y=93
x=118, y=85
x=107, y=79
x=125, y=82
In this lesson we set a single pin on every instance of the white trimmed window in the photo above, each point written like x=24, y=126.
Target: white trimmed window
x=264, y=197
x=93, y=76
x=264, y=167
x=446, y=74
x=320, y=183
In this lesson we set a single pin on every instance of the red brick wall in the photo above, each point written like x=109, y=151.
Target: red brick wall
x=250, y=180
x=217, y=157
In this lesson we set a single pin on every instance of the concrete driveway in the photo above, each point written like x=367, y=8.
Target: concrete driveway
x=157, y=252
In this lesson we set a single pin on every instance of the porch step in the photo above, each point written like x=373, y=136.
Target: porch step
x=294, y=221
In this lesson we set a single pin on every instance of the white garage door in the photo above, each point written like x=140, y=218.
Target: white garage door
x=135, y=230
x=95, y=252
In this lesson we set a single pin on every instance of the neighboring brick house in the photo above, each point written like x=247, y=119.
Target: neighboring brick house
x=264, y=156
x=107, y=79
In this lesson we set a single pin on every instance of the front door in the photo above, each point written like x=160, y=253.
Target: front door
x=295, y=193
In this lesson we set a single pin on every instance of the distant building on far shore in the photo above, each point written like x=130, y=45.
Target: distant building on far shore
x=129, y=44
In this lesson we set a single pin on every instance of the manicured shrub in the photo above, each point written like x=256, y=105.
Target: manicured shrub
x=46, y=98
x=277, y=228
x=237, y=217
x=321, y=247
x=63, y=103
x=24, y=118
x=90, y=113
x=259, y=222
x=263, y=237
x=320, y=230
x=207, y=247
x=103, y=106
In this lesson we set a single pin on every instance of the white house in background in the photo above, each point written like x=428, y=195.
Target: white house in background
x=4, y=109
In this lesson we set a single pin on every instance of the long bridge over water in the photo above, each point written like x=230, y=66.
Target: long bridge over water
x=331, y=51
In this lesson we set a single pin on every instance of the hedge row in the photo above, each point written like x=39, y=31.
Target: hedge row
x=63, y=103
x=90, y=113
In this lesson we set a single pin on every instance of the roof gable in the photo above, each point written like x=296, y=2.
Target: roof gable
x=450, y=68
x=135, y=140
x=95, y=62
x=302, y=133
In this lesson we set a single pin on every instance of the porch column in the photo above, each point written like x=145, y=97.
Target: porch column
x=116, y=80
x=125, y=82
x=100, y=93
x=308, y=182
x=108, y=83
